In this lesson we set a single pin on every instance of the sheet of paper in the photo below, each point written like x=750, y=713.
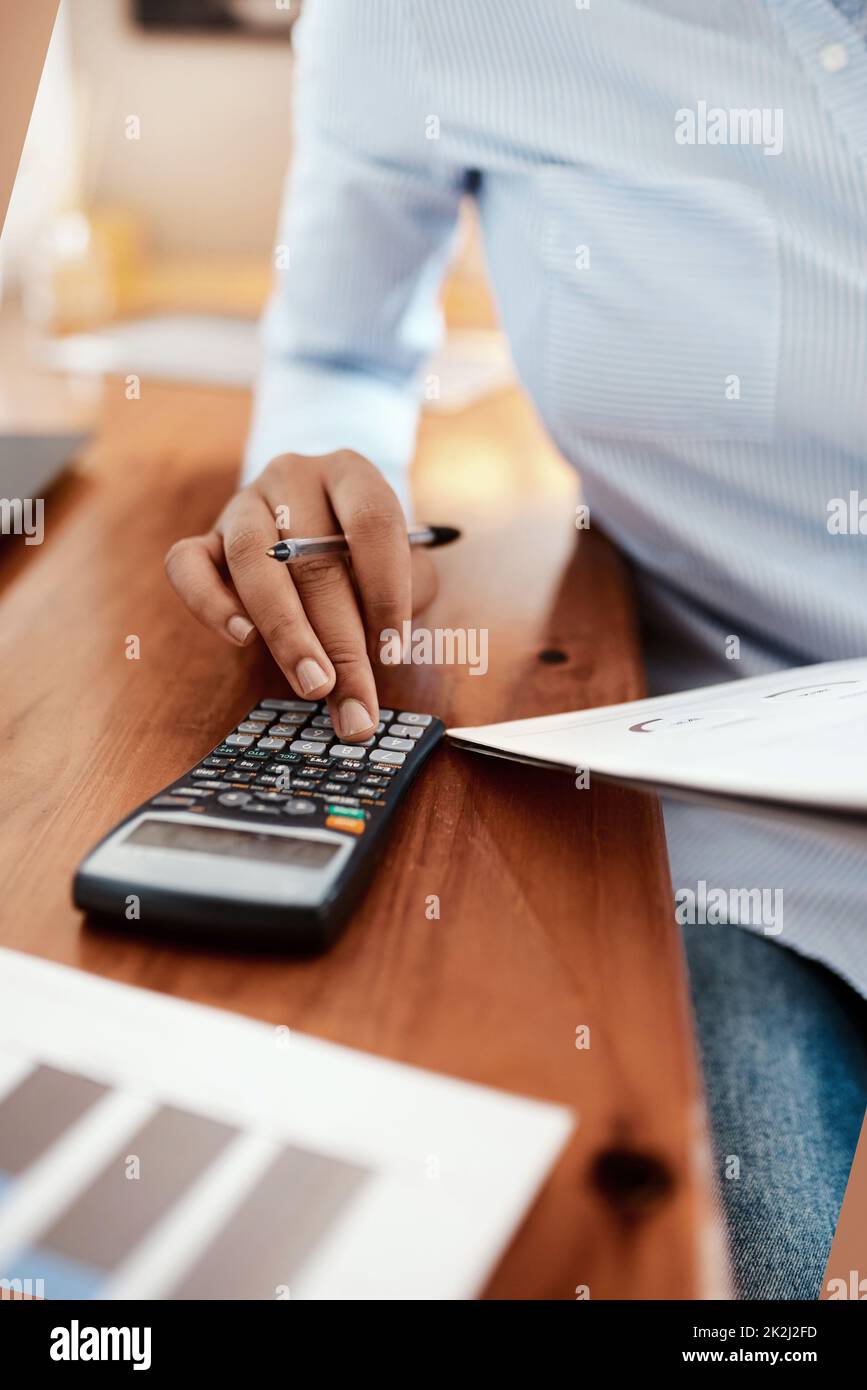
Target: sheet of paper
x=216, y=350
x=795, y=737
x=151, y=1148
x=205, y=348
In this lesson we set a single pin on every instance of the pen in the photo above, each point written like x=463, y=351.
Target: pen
x=286, y=551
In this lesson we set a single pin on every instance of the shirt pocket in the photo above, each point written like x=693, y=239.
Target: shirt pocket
x=663, y=307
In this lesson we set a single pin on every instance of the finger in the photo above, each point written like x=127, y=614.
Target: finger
x=192, y=569
x=270, y=598
x=375, y=527
x=329, y=600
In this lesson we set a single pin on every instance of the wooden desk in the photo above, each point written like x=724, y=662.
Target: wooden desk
x=555, y=903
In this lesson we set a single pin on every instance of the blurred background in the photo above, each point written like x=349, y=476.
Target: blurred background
x=106, y=217
x=151, y=175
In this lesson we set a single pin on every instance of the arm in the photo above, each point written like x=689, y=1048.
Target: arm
x=367, y=225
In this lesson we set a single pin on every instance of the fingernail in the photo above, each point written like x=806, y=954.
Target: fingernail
x=354, y=718
x=240, y=629
x=309, y=675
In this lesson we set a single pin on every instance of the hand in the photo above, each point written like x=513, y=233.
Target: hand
x=319, y=617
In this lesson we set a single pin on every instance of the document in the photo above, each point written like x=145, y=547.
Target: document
x=795, y=738
x=152, y=1148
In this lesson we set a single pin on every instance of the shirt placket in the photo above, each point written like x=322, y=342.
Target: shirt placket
x=834, y=58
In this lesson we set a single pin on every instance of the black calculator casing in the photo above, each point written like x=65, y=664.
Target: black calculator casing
x=116, y=893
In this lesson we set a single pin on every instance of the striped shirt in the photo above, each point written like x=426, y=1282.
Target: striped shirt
x=855, y=11
x=673, y=198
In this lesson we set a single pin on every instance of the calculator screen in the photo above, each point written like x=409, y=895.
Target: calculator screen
x=297, y=850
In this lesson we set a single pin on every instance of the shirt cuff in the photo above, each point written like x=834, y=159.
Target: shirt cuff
x=308, y=409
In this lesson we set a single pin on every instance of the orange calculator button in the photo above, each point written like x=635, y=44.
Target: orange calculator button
x=355, y=827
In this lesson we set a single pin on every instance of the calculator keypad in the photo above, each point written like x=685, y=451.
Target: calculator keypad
x=301, y=706
x=303, y=745
x=285, y=759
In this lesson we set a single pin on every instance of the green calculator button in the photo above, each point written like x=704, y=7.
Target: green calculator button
x=353, y=812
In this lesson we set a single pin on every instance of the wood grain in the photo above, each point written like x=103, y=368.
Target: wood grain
x=555, y=903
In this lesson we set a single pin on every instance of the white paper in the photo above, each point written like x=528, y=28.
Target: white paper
x=450, y=1168
x=795, y=737
x=216, y=350
x=202, y=348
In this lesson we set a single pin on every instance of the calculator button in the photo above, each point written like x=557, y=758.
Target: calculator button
x=216, y=762
x=325, y=734
x=338, y=804
x=244, y=765
x=329, y=787
x=367, y=790
x=177, y=801
x=406, y=731
x=283, y=730
x=239, y=777
x=303, y=784
x=315, y=764
x=347, y=750
x=353, y=827
x=257, y=809
x=372, y=801
x=300, y=706
x=303, y=746
x=386, y=714
x=299, y=807
x=397, y=745
x=240, y=740
x=212, y=772
x=197, y=792
x=283, y=760
x=344, y=776
x=275, y=797
x=370, y=781
x=251, y=726
x=396, y=759
x=322, y=721
x=273, y=745
x=234, y=798
x=423, y=719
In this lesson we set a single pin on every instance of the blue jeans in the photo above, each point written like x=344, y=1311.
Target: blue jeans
x=783, y=1044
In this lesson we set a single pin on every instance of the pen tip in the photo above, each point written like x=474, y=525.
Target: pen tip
x=444, y=535
x=272, y=551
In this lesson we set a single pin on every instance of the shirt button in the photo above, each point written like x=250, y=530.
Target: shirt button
x=834, y=57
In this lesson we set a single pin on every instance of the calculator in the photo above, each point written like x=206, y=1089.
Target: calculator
x=269, y=840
